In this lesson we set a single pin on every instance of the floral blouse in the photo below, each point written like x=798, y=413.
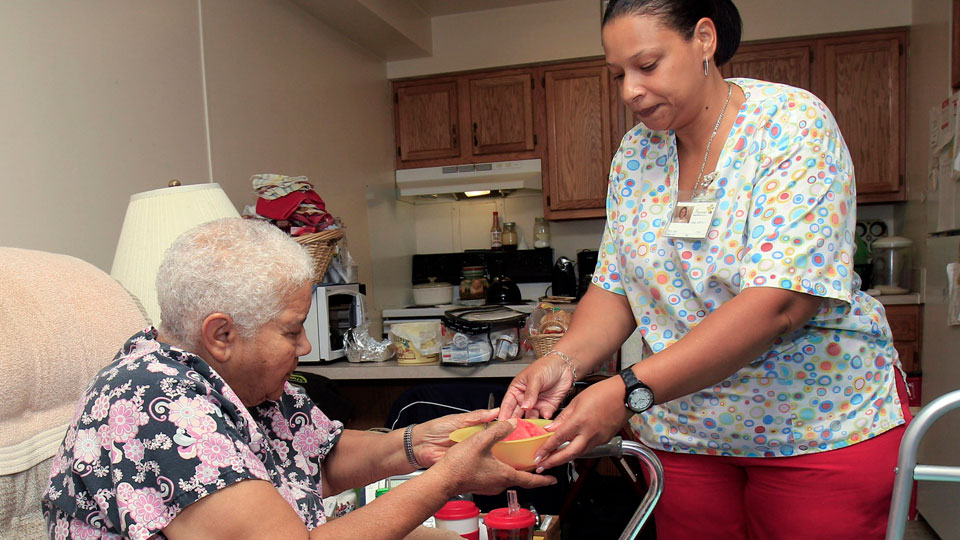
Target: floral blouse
x=158, y=429
x=785, y=218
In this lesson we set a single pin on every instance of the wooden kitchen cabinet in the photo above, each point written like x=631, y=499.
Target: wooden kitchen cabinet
x=583, y=130
x=426, y=118
x=864, y=84
x=861, y=77
x=783, y=63
x=501, y=113
x=906, y=325
x=469, y=118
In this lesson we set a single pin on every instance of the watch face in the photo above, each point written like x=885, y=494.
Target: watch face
x=640, y=399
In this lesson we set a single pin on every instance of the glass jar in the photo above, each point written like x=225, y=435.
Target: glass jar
x=509, y=236
x=891, y=264
x=473, y=286
x=541, y=233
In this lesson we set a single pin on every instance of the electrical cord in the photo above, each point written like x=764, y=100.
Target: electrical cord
x=405, y=407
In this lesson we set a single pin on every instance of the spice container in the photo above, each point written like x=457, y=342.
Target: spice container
x=509, y=236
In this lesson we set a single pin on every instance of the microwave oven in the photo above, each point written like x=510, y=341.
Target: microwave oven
x=334, y=310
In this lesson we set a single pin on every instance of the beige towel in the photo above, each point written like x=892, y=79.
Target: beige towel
x=61, y=320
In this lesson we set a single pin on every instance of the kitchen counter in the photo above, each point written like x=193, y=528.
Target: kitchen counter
x=391, y=370
x=898, y=299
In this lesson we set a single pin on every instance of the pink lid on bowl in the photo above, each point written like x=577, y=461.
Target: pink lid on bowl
x=457, y=510
x=501, y=518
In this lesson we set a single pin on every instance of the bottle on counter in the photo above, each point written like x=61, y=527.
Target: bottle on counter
x=496, y=234
x=541, y=233
x=509, y=236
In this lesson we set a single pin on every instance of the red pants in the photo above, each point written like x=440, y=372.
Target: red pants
x=838, y=494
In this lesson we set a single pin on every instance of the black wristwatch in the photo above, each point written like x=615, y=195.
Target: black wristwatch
x=639, y=396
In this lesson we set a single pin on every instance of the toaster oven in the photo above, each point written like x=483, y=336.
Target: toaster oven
x=334, y=310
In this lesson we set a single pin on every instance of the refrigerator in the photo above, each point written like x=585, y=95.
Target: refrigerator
x=938, y=502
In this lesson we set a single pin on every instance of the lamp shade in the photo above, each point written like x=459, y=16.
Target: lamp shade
x=154, y=220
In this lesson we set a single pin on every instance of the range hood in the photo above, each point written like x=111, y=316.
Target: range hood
x=459, y=182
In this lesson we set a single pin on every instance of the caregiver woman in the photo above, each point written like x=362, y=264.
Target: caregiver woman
x=771, y=394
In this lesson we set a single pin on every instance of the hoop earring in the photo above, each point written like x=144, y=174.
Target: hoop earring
x=706, y=67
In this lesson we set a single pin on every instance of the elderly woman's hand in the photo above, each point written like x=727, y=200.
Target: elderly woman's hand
x=473, y=469
x=432, y=439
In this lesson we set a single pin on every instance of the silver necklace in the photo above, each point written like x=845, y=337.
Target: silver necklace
x=700, y=178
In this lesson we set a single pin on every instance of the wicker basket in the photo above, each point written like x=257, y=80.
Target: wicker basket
x=543, y=343
x=321, y=247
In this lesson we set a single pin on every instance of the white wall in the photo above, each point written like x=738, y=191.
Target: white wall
x=287, y=95
x=100, y=100
x=103, y=99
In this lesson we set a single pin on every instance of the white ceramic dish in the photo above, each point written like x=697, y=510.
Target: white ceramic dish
x=433, y=293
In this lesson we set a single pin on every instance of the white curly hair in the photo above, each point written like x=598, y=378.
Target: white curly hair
x=245, y=268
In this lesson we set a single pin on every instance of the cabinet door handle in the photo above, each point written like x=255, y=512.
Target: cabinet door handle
x=453, y=130
x=475, y=131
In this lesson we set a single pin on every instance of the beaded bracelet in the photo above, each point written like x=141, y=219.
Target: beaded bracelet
x=566, y=360
x=408, y=447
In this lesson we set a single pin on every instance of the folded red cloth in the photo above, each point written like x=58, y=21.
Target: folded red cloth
x=284, y=207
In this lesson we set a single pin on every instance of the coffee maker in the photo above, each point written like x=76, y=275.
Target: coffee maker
x=564, y=278
x=586, y=263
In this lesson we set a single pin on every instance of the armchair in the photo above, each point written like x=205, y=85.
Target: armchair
x=61, y=320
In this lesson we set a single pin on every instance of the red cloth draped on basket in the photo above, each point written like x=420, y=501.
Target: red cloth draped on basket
x=292, y=199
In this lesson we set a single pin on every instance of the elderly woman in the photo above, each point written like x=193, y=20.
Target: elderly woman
x=194, y=432
x=772, y=392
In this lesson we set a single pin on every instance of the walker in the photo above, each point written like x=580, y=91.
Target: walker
x=618, y=448
x=907, y=468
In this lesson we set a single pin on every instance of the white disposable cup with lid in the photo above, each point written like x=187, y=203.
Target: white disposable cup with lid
x=461, y=517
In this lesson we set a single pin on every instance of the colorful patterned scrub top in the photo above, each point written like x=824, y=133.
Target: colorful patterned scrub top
x=785, y=218
x=158, y=429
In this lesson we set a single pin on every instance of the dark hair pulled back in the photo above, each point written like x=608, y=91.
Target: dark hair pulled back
x=683, y=15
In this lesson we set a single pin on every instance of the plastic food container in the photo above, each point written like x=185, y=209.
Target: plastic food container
x=502, y=525
x=461, y=517
x=417, y=342
x=477, y=335
x=891, y=264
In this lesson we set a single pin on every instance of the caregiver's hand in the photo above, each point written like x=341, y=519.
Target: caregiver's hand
x=591, y=419
x=471, y=465
x=538, y=390
x=431, y=440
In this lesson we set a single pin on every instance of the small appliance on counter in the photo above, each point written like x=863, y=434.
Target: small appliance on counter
x=334, y=310
x=586, y=264
x=564, y=278
x=503, y=290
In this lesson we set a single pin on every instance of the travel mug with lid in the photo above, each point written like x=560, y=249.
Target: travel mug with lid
x=461, y=517
x=501, y=524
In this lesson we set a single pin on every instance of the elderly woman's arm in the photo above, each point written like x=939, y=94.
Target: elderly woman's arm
x=254, y=509
x=361, y=457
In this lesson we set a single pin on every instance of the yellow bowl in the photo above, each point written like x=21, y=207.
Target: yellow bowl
x=519, y=453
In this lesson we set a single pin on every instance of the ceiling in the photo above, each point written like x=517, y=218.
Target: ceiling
x=436, y=8
x=396, y=29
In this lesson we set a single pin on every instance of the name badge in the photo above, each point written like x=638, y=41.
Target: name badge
x=691, y=220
